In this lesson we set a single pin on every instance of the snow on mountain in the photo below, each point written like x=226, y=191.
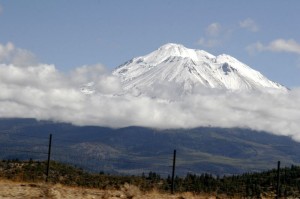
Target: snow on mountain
x=173, y=65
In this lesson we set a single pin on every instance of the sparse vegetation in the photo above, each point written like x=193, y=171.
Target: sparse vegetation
x=254, y=185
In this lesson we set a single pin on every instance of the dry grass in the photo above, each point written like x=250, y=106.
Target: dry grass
x=22, y=190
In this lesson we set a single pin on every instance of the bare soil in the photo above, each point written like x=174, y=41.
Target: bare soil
x=23, y=190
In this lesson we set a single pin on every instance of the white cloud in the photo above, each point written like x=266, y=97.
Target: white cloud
x=9, y=54
x=212, y=34
x=281, y=45
x=213, y=29
x=6, y=50
x=216, y=34
x=249, y=24
x=43, y=92
x=87, y=73
x=278, y=45
x=102, y=80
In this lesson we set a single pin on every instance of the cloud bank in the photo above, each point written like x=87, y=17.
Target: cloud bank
x=43, y=92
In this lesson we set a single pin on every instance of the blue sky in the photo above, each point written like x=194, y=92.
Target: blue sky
x=50, y=49
x=263, y=34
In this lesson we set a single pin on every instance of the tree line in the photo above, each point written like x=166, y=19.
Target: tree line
x=254, y=185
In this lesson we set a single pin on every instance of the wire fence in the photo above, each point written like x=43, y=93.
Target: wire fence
x=95, y=156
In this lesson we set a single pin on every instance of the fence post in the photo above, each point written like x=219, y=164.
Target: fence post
x=278, y=179
x=173, y=172
x=49, y=154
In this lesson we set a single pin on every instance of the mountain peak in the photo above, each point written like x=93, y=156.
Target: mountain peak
x=172, y=46
x=169, y=45
x=175, y=50
x=185, y=69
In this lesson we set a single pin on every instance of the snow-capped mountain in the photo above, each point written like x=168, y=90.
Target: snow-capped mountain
x=176, y=66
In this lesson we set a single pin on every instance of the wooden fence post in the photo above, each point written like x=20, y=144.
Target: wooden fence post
x=173, y=172
x=49, y=154
x=278, y=180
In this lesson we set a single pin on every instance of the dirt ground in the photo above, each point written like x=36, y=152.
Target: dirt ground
x=20, y=190
x=24, y=190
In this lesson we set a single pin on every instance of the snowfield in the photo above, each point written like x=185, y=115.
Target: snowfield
x=176, y=66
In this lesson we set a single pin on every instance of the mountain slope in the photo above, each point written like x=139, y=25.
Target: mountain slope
x=186, y=69
x=134, y=150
